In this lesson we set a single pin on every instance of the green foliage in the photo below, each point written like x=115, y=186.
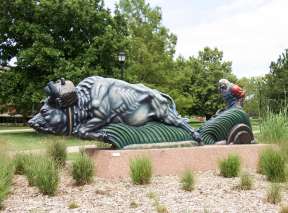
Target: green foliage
x=151, y=45
x=6, y=174
x=276, y=90
x=57, y=151
x=141, y=170
x=246, y=181
x=83, y=169
x=274, y=128
x=42, y=172
x=272, y=164
x=81, y=39
x=188, y=180
x=274, y=193
x=254, y=103
x=230, y=167
x=31, y=168
x=194, y=82
x=20, y=160
x=72, y=46
x=47, y=177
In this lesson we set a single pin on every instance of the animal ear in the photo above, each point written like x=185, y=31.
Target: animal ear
x=62, y=81
x=51, y=90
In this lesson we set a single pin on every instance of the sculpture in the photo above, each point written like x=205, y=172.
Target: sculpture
x=97, y=101
x=123, y=114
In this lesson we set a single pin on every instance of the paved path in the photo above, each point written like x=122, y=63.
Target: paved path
x=16, y=130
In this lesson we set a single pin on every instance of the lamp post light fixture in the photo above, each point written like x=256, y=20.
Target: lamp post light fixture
x=122, y=58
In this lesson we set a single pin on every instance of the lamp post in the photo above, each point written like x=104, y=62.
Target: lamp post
x=121, y=58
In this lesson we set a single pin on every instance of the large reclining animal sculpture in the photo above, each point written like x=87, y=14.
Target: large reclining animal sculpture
x=97, y=102
x=123, y=114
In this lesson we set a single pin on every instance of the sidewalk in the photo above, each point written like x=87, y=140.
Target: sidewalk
x=16, y=130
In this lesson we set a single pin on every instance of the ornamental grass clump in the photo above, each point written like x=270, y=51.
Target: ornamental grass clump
x=83, y=169
x=274, y=128
x=230, y=167
x=246, y=181
x=141, y=170
x=42, y=172
x=6, y=174
x=188, y=180
x=20, y=160
x=57, y=151
x=272, y=164
x=47, y=176
x=31, y=168
x=274, y=193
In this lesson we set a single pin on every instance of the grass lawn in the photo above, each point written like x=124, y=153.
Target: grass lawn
x=33, y=140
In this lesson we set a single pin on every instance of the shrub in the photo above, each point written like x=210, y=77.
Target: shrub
x=274, y=128
x=20, y=160
x=230, y=167
x=47, y=176
x=42, y=172
x=246, y=181
x=188, y=181
x=31, y=168
x=82, y=169
x=141, y=170
x=6, y=174
x=274, y=193
x=272, y=164
x=57, y=151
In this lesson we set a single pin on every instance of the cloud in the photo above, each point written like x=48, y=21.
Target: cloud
x=251, y=34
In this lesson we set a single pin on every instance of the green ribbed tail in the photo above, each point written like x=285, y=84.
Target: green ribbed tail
x=216, y=129
x=121, y=135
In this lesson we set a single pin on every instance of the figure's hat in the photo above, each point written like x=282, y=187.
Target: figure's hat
x=63, y=93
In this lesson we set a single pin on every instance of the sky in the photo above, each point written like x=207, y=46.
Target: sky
x=251, y=33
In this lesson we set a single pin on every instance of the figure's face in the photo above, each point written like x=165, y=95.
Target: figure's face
x=223, y=86
x=49, y=120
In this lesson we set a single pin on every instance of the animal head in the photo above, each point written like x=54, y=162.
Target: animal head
x=50, y=119
x=223, y=85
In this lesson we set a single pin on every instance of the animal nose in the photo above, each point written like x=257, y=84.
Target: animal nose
x=31, y=123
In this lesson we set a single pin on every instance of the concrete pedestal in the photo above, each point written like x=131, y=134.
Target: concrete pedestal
x=173, y=161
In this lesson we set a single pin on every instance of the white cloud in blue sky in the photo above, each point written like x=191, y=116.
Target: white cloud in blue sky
x=251, y=33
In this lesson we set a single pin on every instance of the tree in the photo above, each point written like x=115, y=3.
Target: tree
x=198, y=81
x=151, y=45
x=52, y=39
x=254, y=103
x=277, y=83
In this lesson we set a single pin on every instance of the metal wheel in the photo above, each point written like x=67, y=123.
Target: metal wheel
x=240, y=134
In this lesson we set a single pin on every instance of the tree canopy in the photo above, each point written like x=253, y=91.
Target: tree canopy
x=75, y=39
x=53, y=39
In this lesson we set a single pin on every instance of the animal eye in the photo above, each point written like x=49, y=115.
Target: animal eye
x=43, y=111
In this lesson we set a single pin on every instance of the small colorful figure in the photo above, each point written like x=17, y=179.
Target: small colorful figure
x=232, y=94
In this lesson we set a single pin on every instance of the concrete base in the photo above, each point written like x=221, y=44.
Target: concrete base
x=173, y=161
